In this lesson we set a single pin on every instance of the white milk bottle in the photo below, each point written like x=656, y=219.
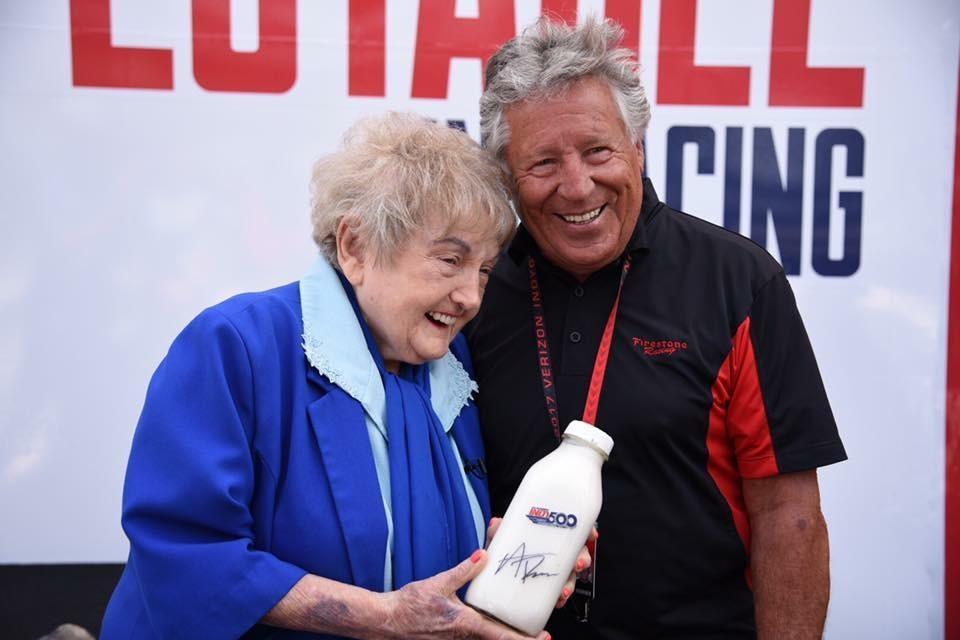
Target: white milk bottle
x=544, y=529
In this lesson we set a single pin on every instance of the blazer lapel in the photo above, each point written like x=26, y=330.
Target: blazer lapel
x=341, y=433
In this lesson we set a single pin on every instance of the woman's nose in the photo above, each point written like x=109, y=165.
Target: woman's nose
x=469, y=294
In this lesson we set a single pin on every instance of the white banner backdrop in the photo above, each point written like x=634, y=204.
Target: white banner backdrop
x=126, y=210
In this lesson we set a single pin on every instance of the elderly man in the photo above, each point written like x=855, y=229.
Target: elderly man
x=711, y=524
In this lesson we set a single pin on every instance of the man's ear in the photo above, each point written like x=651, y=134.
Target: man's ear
x=643, y=160
x=350, y=251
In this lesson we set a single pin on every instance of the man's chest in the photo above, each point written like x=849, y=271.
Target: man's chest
x=666, y=349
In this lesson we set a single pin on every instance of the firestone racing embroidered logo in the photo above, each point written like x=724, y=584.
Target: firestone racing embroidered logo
x=659, y=347
x=541, y=515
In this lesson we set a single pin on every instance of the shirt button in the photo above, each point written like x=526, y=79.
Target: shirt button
x=578, y=291
x=575, y=336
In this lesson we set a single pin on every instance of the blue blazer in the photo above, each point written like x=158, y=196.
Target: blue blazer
x=248, y=470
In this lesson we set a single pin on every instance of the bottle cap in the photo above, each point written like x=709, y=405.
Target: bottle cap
x=591, y=435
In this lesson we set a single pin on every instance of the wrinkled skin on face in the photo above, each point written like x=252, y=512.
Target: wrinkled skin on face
x=416, y=302
x=577, y=174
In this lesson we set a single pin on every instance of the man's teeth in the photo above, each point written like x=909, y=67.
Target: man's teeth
x=442, y=318
x=583, y=217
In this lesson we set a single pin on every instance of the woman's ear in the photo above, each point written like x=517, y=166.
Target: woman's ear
x=350, y=252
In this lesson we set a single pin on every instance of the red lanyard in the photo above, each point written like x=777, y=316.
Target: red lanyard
x=544, y=364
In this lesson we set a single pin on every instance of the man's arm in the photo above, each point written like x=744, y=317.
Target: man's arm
x=789, y=555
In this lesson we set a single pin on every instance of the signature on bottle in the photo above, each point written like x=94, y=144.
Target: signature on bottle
x=524, y=564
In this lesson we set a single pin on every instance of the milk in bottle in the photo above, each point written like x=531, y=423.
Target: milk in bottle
x=543, y=531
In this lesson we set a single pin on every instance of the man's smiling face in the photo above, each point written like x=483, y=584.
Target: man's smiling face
x=577, y=174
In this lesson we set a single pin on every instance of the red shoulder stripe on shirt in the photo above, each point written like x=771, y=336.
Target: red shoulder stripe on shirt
x=721, y=460
x=747, y=423
x=739, y=444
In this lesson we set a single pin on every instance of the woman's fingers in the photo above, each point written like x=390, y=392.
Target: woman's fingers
x=582, y=564
x=492, y=528
x=451, y=580
x=430, y=610
x=583, y=561
x=481, y=628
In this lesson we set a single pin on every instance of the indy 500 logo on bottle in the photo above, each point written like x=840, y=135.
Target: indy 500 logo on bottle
x=542, y=515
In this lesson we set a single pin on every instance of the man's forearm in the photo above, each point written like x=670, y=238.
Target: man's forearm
x=790, y=565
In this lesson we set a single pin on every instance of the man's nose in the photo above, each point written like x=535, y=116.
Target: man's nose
x=576, y=182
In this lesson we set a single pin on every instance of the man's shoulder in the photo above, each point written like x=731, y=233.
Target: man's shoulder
x=714, y=247
x=731, y=243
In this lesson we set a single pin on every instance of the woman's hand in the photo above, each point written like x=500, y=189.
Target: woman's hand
x=582, y=563
x=430, y=608
x=427, y=609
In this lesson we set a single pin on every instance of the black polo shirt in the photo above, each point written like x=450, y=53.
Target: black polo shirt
x=711, y=379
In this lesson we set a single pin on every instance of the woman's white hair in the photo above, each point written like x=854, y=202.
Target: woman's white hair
x=549, y=56
x=394, y=171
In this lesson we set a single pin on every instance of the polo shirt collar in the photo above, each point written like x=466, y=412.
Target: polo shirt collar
x=335, y=346
x=523, y=244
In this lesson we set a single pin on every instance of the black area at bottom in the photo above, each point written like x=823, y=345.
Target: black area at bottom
x=35, y=599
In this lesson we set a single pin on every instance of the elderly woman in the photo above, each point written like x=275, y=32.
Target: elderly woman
x=300, y=460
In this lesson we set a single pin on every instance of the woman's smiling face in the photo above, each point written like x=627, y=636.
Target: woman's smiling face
x=416, y=302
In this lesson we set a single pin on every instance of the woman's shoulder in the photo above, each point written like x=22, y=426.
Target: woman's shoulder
x=256, y=310
x=282, y=299
x=248, y=322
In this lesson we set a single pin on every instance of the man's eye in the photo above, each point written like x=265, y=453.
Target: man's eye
x=543, y=162
x=598, y=154
x=451, y=260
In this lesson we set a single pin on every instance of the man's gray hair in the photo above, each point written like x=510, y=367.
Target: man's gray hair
x=395, y=171
x=545, y=59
